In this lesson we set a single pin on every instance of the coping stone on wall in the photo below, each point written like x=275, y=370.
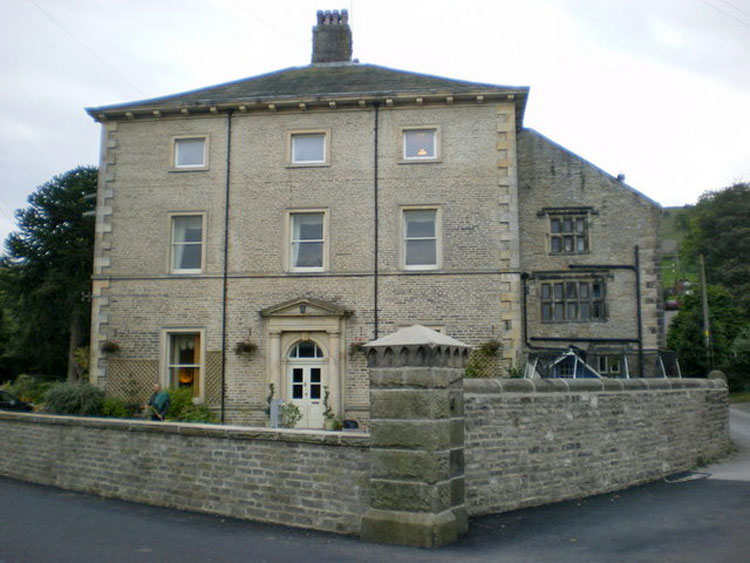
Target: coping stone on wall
x=634, y=384
x=551, y=386
x=480, y=385
x=585, y=385
x=355, y=439
x=611, y=384
x=516, y=385
x=659, y=383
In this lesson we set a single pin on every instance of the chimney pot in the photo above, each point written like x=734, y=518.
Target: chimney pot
x=332, y=37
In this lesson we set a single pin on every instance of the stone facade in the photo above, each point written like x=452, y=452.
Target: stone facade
x=621, y=237
x=483, y=184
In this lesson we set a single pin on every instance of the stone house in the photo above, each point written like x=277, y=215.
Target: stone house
x=256, y=233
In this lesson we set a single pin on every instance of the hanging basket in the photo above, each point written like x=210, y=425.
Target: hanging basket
x=245, y=347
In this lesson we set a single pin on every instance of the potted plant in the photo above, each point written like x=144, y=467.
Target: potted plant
x=355, y=347
x=110, y=347
x=331, y=422
x=490, y=347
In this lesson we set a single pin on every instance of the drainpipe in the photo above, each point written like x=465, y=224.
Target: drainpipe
x=638, y=309
x=224, y=276
x=376, y=218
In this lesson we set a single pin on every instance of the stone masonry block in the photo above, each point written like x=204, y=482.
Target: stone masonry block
x=457, y=462
x=409, y=404
x=425, y=435
x=426, y=467
x=458, y=490
x=410, y=529
x=414, y=377
x=410, y=496
x=457, y=432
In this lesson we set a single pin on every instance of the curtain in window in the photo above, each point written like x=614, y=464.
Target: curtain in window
x=184, y=360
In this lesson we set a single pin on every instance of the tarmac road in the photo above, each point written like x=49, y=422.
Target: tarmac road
x=700, y=518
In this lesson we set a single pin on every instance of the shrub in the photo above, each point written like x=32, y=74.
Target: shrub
x=81, y=399
x=117, y=408
x=290, y=415
x=182, y=409
x=29, y=388
x=737, y=364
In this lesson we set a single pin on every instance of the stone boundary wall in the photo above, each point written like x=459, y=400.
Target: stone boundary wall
x=533, y=442
x=527, y=443
x=305, y=478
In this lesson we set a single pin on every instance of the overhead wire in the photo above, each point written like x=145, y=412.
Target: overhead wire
x=87, y=48
x=736, y=7
x=707, y=3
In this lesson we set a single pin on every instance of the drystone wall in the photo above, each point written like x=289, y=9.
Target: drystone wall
x=310, y=479
x=526, y=443
x=535, y=442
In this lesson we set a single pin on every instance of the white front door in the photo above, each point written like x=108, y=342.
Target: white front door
x=306, y=377
x=306, y=392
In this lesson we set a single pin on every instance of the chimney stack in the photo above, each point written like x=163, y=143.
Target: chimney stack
x=332, y=37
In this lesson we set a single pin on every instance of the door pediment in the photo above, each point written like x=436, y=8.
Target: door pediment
x=305, y=307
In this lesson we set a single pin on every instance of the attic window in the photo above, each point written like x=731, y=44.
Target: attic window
x=189, y=152
x=420, y=144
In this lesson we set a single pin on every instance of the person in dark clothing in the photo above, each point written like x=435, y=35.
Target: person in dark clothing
x=158, y=403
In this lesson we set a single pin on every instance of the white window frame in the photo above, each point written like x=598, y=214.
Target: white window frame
x=610, y=364
x=438, y=238
x=171, y=251
x=292, y=163
x=436, y=142
x=166, y=365
x=174, y=153
x=289, y=240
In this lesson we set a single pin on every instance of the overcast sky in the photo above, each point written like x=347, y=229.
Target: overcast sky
x=656, y=89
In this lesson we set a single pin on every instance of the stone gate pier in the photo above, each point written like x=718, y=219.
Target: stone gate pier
x=417, y=485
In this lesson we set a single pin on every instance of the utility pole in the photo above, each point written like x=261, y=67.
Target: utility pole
x=706, y=322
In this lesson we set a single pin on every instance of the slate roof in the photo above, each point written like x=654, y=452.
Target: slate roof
x=317, y=82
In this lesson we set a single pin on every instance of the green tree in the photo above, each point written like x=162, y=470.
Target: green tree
x=719, y=229
x=685, y=335
x=738, y=363
x=45, y=276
